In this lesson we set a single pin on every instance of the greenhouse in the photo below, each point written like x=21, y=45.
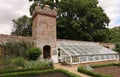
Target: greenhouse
x=75, y=52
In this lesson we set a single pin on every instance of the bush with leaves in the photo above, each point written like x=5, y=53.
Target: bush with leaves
x=33, y=53
x=19, y=62
x=6, y=64
x=39, y=64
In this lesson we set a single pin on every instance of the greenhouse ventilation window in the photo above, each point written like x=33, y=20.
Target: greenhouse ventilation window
x=74, y=52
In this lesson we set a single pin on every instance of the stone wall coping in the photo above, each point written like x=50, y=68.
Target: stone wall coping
x=15, y=37
x=45, y=11
x=105, y=43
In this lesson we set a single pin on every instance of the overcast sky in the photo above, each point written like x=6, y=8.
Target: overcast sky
x=12, y=9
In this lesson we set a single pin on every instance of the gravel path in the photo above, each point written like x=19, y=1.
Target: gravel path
x=72, y=69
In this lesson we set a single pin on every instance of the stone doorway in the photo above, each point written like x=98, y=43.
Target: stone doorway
x=46, y=52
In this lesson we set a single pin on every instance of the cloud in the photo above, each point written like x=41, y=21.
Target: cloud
x=111, y=8
x=9, y=10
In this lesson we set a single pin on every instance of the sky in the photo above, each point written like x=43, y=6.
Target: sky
x=12, y=9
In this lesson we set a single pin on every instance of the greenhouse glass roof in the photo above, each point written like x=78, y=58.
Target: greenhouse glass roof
x=73, y=48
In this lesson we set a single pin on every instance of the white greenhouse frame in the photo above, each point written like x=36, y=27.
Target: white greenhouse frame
x=71, y=55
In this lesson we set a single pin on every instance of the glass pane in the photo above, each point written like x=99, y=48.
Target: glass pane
x=68, y=59
x=90, y=58
x=83, y=58
x=75, y=59
x=97, y=58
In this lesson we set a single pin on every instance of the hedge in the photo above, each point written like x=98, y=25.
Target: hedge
x=37, y=72
x=24, y=70
x=105, y=65
x=69, y=74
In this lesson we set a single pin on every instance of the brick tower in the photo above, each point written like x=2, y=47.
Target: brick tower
x=44, y=31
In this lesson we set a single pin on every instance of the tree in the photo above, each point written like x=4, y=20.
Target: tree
x=117, y=49
x=81, y=20
x=114, y=35
x=22, y=26
x=76, y=20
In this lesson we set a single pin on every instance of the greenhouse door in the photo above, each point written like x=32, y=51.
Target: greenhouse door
x=46, y=52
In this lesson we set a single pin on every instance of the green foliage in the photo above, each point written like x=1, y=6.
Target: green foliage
x=114, y=35
x=24, y=70
x=91, y=73
x=19, y=61
x=105, y=65
x=38, y=64
x=69, y=74
x=16, y=48
x=22, y=26
x=32, y=7
x=6, y=60
x=33, y=53
x=81, y=20
x=76, y=20
x=6, y=64
x=26, y=66
x=27, y=73
x=117, y=47
x=19, y=64
x=37, y=72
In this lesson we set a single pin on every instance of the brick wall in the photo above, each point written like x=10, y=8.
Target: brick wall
x=97, y=63
x=107, y=45
x=6, y=38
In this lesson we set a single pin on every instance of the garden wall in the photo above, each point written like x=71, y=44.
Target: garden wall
x=6, y=38
x=107, y=45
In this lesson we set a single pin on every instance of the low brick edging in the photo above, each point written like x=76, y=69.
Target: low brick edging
x=96, y=63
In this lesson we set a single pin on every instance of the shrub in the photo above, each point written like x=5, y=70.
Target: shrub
x=38, y=64
x=6, y=64
x=33, y=53
x=19, y=61
x=6, y=60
